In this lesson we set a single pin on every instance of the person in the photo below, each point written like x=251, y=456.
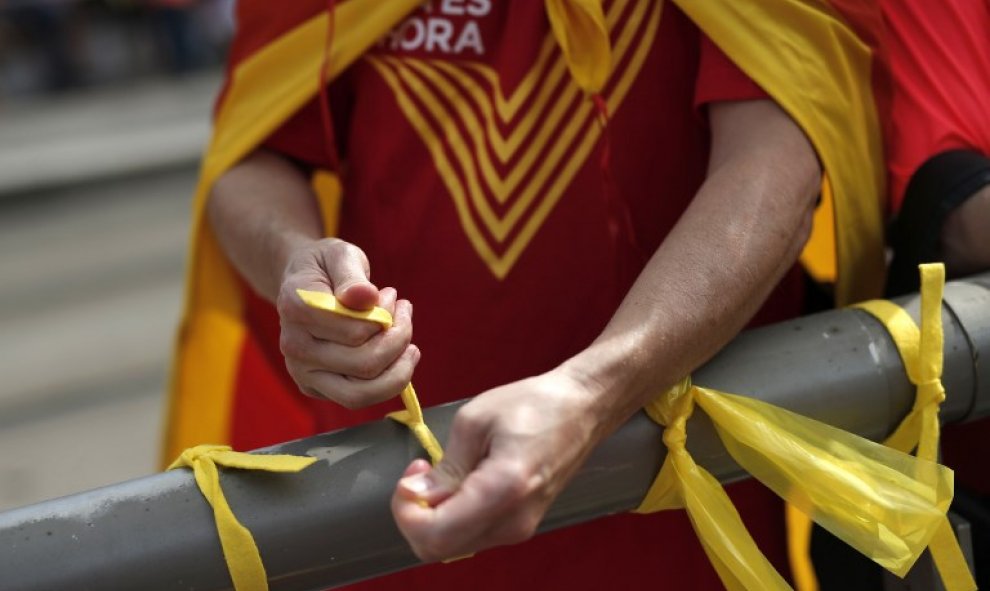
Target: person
x=939, y=162
x=47, y=27
x=933, y=83
x=938, y=141
x=562, y=270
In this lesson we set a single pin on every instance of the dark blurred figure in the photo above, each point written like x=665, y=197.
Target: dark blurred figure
x=46, y=24
x=176, y=28
x=54, y=45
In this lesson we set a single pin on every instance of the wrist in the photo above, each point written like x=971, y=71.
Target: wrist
x=610, y=381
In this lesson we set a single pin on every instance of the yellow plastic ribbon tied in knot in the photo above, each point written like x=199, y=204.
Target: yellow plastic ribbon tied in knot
x=885, y=503
x=239, y=550
x=921, y=353
x=412, y=416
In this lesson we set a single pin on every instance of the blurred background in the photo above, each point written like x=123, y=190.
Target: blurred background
x=104, y=111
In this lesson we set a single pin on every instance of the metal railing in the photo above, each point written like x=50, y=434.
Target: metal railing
x=331, y=524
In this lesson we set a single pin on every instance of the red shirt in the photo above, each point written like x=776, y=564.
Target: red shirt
x=473, y=182
x=939, y=57
x=939, y=54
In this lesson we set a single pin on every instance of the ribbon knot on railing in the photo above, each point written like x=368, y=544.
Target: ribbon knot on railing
x=885, y=503
x=920, y=349
x=239, y=549
x=672, y=409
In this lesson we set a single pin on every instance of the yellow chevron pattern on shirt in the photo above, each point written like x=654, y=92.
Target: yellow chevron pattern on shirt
x=502, y=182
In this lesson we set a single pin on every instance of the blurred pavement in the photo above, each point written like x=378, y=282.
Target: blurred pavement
x=94, y=207
x=89, y=136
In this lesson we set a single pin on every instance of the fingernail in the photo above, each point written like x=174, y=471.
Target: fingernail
x=418, y=484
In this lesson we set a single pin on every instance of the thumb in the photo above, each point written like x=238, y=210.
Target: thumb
x=349, y=272
x=465, y=449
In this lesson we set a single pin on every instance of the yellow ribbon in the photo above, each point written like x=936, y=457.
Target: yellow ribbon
x=239, y=550
x=885, y=503
x=412, y=416
x=921, y=353
x=581, y=32
x=683, y=483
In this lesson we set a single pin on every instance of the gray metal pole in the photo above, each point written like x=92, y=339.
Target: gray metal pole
x=331, y=524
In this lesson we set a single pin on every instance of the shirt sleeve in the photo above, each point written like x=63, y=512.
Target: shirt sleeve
x=303, y=137
x=719, y=79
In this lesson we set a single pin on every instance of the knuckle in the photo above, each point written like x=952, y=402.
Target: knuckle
x=450, y=471
x=333, y=247
x=399, y=336
x=339, y=252
x=518, y=482
x=290, y=345
x=466, y=422
x=356, y=334
x=353, y=252
x=367, y=368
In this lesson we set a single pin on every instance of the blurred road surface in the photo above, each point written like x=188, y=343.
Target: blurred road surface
x=91, y=272
x=90, y=136
x=89, y=299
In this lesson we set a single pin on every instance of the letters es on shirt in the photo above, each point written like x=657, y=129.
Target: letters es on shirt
x=442, y=27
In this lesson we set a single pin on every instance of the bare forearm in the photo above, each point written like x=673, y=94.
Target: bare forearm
x=742, y=232
x=964, y=244
x=260, y=211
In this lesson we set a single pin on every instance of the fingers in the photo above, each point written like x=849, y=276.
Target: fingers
x=309, y=349
x=354, y=392
x=349, y=274
x=351, y=361
x=386, y=299
x=489, y=509
x=470, y=500
x=466, y=446
x=328, y=326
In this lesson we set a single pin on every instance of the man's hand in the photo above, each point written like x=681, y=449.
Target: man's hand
x=510, y=452
x=264, y=215
x=352, y=362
